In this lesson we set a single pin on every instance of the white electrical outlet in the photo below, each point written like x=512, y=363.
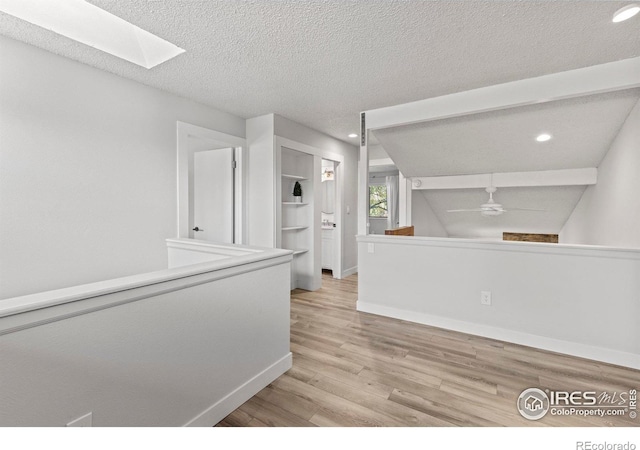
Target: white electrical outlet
x=371, y=247
x=83, y=421
x=485, y=298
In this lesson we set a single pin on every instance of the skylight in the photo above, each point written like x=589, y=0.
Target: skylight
x=95, y=27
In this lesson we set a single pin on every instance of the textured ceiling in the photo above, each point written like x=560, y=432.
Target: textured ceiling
x=322, y=62
x=504, y=141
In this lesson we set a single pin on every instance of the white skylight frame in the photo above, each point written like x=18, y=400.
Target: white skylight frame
x=95, y=27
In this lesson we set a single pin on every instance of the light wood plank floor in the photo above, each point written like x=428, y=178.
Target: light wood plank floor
x=358, y=369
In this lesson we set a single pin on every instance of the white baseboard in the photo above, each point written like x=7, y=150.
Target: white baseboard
x=350, y=271
x=531, y=340
x=232, y=401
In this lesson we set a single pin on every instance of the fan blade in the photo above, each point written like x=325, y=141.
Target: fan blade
x=465, y=210
x=526, y=209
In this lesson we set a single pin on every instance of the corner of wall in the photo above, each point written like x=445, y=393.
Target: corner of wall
x=424, y=219
x=609, y=211
x=261, y=181
x=574, y=229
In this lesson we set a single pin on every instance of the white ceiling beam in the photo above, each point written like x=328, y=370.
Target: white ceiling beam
x=566, y=177
x=451, y=182
x=613, y=76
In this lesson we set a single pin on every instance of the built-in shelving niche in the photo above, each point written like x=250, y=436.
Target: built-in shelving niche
x=296, y=225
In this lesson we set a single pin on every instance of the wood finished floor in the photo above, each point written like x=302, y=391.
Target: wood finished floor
x=358, y=369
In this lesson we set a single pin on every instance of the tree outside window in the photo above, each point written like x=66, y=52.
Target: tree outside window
x=378, y=200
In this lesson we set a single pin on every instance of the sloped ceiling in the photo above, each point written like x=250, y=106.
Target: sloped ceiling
x=583, y=130
x=556, y=203
x=321, y=62
x=504, y=141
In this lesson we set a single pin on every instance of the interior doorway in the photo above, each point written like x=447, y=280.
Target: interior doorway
x=328, y=217
x=211, y=185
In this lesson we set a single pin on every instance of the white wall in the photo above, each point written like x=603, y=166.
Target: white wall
x=424, y=220
x=569, y=299
x=261, y=182
x=87, y=171
x=609, y=212
x=376, y=151
x=292, y=130
x=377, y=225
x=185, y=350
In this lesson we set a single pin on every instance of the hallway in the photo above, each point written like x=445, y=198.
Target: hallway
x=357, y=369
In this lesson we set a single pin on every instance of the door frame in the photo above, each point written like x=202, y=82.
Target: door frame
x=185, y=151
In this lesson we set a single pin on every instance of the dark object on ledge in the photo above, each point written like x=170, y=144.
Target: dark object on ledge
x=297, y=190
x=401, y=231
x=530, y=237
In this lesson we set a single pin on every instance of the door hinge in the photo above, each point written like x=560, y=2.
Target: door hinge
x=233, y=164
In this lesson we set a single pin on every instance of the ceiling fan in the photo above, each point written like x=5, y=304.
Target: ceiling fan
x=492, y=208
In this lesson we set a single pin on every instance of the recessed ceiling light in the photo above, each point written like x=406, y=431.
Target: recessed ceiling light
x=626, y=12
x=95, y=27
x=353, y=135
x=544, y=137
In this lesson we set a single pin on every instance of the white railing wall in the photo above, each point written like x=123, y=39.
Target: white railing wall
x=185, y=346
x=578, y=300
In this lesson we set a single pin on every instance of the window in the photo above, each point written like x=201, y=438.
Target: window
x=377, y=200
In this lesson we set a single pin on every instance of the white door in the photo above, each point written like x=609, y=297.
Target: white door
x=213, y=181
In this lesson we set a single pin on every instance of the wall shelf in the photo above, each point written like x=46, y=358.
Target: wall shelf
x=296, y=223
x=294, y=177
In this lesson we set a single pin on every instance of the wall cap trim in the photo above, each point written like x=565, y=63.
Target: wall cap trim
x=508, y=246
x=47, y=299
